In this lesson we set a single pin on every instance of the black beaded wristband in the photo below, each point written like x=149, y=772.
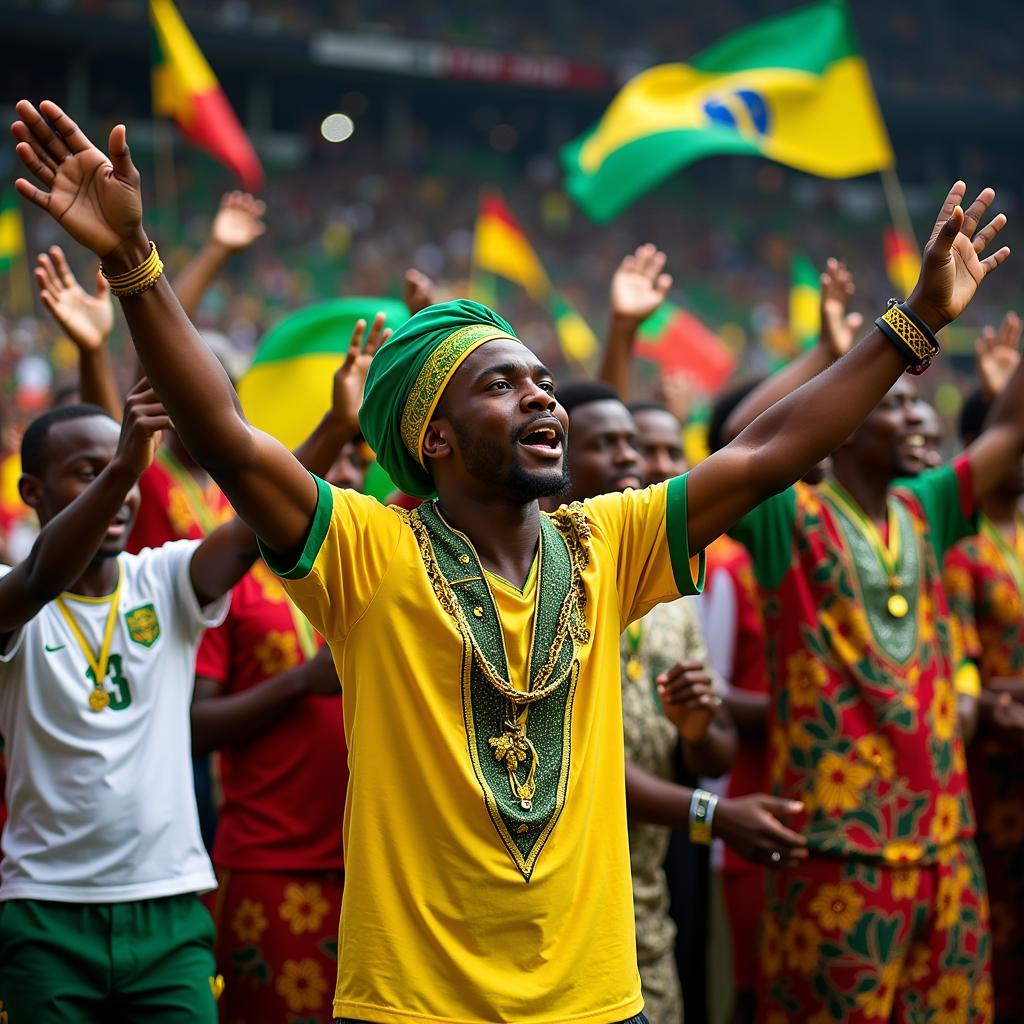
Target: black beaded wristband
x=910, y=334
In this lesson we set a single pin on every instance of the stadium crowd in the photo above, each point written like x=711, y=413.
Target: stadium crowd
x=420, y=715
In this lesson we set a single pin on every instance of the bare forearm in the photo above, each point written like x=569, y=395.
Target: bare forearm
x=785, y=442
x=749, y=712
x=798, y=371
x=999, y=448
x=654, y=800
x=968, y=712
x=239, y=718
x=617, y=358
x=714, y=755
x=64, y=548
x=321, y=449
x=192, y=283
x=96, y=380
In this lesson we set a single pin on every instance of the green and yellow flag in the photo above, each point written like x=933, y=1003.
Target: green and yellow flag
x=12, y=232
x=793, y=88
x=804, y=303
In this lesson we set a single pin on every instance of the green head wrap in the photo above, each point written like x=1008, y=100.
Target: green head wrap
x=407, y=377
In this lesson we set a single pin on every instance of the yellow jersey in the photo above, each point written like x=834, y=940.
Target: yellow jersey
x=452, y=911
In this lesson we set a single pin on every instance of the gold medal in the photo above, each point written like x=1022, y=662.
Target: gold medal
x=634, y=669
x=98, y=700
x=898, y=606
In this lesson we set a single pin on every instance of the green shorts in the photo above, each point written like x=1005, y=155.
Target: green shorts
x=77, y=963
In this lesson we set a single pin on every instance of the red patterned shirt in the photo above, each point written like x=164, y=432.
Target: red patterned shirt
x=985, y=583
x=174, y=507
x=863, y=722
x=284, y=792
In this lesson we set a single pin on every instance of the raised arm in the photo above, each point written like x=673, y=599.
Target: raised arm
x=639, y=287
x=87, y=320
x=226, y=555
x=838, y=333
x=69, y=542
x=782, y=444
x=97, y=200
x=1000, y=446
x=239, y=222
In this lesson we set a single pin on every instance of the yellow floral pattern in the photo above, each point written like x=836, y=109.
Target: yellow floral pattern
x=840, y=783
x=249, y=922
x=805, y=676
x=301, y=984
x=303, y=907
x=837, y=907
x=277, y=652
x=949, y=999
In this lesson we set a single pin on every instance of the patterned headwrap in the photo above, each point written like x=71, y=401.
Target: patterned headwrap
x=407, y=377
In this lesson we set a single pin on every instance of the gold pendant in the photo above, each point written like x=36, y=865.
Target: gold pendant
x=98, y=700
x=898, y=606
x=527, y=805
x=634, y=669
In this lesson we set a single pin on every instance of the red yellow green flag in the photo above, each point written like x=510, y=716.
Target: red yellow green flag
x=902, y=261
x=186, y=90
x=574, y=334
x=679, y=343
x=501, y=248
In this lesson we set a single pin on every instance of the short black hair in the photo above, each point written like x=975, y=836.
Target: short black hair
x=574, y=393
x=643, y=405
x=973, y=414
x=724, y=407
x=33, y=441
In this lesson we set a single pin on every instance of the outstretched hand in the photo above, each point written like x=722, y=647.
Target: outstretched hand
x=838, y=328
x=86, y=319
x=350, y=378
x=96, y=198
x=239, y=221
x=638, y=286
x=952, y=267
x=997, y=354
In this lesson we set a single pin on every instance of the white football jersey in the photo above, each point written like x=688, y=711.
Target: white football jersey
x=102, y=806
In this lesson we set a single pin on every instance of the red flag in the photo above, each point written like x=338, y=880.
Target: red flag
x=679, y=343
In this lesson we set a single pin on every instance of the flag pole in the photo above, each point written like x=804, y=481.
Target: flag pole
x=897, y=203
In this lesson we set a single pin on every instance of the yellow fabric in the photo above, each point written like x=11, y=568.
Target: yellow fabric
x=827, y=124
x=438, y=923
x=183, y=72
x=498, y=248
x=516, y=608
x=12, y=233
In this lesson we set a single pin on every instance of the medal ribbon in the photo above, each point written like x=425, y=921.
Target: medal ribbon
x=304, y=631
x=98, y=663
x=1012, y=556
x=198, y=501
x=888, y=554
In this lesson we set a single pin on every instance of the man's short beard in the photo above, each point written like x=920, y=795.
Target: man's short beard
x=487, y=461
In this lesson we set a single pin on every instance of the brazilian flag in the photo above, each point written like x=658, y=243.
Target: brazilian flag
x=793, y=88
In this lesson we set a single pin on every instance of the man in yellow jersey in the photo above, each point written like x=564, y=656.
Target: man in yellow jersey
x=487, y=873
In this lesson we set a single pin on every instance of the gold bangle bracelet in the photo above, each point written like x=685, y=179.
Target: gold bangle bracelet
x=138, y=279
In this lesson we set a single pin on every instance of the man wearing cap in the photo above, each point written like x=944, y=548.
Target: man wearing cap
x=487, y=872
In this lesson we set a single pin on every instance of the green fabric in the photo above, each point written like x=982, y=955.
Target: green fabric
x=767, y=533
x=298, y=568
x=522, y=830
x=324, y=329
x=139, y=962
x=807, y=39
x=939, y=494
x=678, y=532
x=394, y=372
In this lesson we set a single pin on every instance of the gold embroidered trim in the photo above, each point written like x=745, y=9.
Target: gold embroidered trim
x=910, y=333
x=571, y=523
x=426, y=390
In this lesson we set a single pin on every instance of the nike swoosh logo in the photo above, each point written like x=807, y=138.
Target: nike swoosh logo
x=50, y=650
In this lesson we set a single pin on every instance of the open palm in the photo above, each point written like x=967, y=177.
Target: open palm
x=953, y=267
x=639, y=287
x=95, y=198
x=86, y=319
